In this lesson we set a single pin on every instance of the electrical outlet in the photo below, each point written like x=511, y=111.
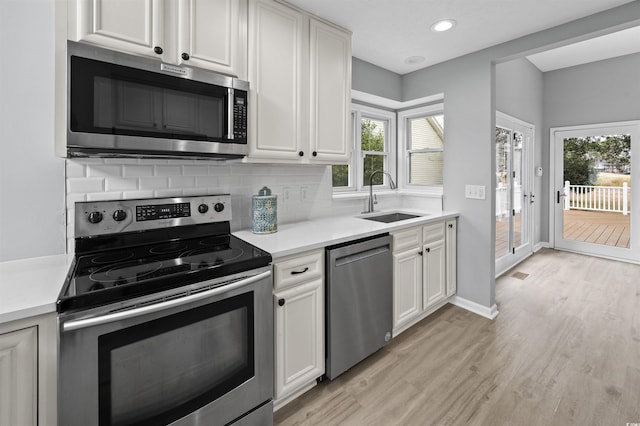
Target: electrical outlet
x=304, y=192
x=286, y=195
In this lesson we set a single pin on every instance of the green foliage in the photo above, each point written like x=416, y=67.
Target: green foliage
x=340, y=176
x=582, y=154
x=372, y=139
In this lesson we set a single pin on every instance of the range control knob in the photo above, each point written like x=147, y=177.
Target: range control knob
x=95, y=217
x=119, y=215
x=203, y=208
x=218, y=207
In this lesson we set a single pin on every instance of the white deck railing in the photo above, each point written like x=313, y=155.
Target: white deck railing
x=502, y=199
x=597, y=198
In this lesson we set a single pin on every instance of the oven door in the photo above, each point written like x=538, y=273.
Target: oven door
x=200, y=358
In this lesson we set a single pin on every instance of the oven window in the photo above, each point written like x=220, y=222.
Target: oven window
x=114, y=99
x=162, y=370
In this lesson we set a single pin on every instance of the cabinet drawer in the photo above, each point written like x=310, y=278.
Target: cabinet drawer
x=434, y=232
x=294, y=270
x=403, y=240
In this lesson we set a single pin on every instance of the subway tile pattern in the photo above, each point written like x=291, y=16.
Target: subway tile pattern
x=308, y=187
x=112, y=179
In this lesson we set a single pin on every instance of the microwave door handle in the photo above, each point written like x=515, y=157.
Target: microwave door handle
x=124, y=315
x=230, y=99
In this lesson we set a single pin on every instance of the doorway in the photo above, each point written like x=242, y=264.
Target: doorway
x=594, y=199
x=513, y=191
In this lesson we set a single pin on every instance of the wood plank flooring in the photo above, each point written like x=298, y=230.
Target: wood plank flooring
x=564, y=350
x=612, y=229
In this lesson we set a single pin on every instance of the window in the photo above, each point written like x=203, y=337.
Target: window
x=422, y=152
x=374, y=149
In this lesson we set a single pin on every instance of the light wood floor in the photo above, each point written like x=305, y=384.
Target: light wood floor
x=564, y=350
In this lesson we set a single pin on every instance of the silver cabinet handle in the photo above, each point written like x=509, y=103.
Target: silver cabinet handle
x=123, y=315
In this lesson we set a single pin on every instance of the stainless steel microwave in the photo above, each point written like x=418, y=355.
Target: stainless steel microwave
x=130, y=106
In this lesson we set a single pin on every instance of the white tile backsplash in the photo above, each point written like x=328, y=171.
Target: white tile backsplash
x=109, y=179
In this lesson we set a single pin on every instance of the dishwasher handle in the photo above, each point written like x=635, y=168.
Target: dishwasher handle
x=345, y=260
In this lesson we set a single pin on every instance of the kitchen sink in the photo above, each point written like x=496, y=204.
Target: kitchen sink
x=392, y=217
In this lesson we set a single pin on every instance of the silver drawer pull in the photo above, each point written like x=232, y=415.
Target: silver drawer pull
x=300, y=272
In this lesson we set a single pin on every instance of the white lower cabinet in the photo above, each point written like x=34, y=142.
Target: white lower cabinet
x=27, y=372
x=407, y=283
x=451, y=256
x=434, y=273
x=423, y=264
x=299, y=324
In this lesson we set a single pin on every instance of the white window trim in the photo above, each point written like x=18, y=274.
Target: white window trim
x=355, y=165
x=403, y=152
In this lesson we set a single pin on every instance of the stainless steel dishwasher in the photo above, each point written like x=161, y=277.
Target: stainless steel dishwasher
x=359, y=292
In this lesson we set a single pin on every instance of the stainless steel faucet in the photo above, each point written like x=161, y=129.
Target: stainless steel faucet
x=392, y=185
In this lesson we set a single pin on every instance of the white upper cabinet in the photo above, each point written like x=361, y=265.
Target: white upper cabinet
x=300, y=74
x=330, y=89
x=277, y=56
x=212, y=35
x=202, y=33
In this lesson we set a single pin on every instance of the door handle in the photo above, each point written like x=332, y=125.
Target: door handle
x=560, y=195
x=164, y=305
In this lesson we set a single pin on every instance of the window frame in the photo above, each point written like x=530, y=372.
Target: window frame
x=357, y=183
x=404, y=151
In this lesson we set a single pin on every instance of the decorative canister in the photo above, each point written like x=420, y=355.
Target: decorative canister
x=264, y=212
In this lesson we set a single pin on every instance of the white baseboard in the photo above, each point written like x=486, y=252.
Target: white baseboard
x=541, y=245
x=474, y=307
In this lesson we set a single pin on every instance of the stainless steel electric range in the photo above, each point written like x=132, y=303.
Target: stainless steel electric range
x=165, y=317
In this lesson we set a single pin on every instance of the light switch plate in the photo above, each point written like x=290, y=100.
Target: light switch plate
x=476, y=192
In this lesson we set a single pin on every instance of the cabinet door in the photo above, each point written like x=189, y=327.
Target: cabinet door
x=135, y=26
x=210, y=35
x=299, y=322
x=434, y=273
x=330, y=93
x=451, y=258
x=278, y=40
x=407, y=286
x=18, y=377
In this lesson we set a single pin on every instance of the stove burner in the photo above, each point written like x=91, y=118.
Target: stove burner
x=120, y=273
x=204, y=258
x=112, y=257
x=168, y=248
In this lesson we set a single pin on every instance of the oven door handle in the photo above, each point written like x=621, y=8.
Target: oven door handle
x=123, y=315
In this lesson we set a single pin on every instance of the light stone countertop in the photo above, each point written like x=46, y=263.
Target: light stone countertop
x=30, y=287
x=293, y=238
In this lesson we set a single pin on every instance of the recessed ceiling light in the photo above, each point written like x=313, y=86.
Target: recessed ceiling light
x=443, y=25
x=412, y=60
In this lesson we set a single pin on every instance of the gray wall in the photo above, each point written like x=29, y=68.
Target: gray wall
x=518, y=92
x=468, y=84
x=599, y=92
x=32, y=211
x=369, y=78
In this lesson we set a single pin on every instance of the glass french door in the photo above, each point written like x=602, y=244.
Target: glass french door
x=513, y=192
x=594, y=197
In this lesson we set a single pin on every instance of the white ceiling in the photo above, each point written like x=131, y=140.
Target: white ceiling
x=387, y=32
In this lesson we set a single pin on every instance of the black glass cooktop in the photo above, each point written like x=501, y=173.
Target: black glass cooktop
x=109, y=275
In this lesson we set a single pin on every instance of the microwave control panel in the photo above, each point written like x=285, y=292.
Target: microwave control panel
x=240, y=115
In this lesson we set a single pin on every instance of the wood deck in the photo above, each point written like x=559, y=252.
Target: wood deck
x=611, y=229
x=607, y=228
